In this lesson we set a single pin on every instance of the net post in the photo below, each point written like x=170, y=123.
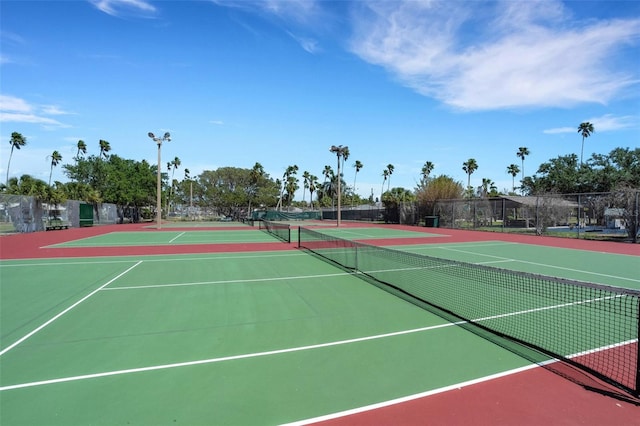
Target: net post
x=299, y=236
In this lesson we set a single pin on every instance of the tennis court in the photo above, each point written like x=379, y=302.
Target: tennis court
x=250, y=337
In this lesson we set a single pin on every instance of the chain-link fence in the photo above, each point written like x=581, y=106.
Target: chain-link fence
x=22, y=213
x=612, y=216
x=606, y=216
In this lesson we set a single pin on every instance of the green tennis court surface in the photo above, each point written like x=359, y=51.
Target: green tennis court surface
x=604, y=268
x=362, y=233
x=170, y=238
x=243, y=338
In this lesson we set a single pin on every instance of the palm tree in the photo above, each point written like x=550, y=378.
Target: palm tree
x=585, y=129
x=257, y=172
x=358, y=166
x=56, y=158
x=82, y=148
x=313, y=184
x=390, y=170
x=305, y=185
x=287, y=184
x=385, y=175
x=105, y=147
x=523, y=151
x=427, y=168
x=291, y=186
x=513, y=170
x=327, y=172
x=175, y=163
x=487, y=186
x=469, y=166
x=17, y=141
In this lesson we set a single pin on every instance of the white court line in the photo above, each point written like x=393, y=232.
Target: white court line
x=227, y=358
x=460, y=385
x=563, y=268
x=310, y=347
x=408, y=398
x=150, y=258
x=22, y=339
x=176, y=237
x=255, y=280
x=152, y=243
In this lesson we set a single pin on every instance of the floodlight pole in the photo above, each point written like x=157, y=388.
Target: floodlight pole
x=166, y=137
x=340, y=151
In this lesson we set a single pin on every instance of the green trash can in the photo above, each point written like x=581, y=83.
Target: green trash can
x=432, y=221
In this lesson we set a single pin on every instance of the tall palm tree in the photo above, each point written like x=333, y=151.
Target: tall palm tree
x=469, y=166
x=56, y=158
x=523, y=151
x=17, y=141
x=327, y=172
x=358, y=166
x=291, y=186
x=313, y=185
x=487, y=186
x=256, y=173
x=105, y=147
x=288, y=175
x=390, y=169
x=305, y=184
x=82, y=148
x=175, y=163
x=344, y=157
x=585, y=129
x=385, y=176
x=513, y=170
x=427, y=168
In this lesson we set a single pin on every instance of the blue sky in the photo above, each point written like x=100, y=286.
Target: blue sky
x=279, y=82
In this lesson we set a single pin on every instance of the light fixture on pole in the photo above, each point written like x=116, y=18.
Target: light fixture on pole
x=340, y=152
x=166, y=137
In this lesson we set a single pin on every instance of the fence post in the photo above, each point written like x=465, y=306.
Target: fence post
x=578, y=213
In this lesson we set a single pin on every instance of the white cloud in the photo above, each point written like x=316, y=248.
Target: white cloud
x=13, y=104
x=605, y=123
x=217, y=122
x=17, y=110
x=291, y=10
x=609, y=122
x=54, y=110
x=308, y=44
x=118, y=7
x=527, y=55
x=4, y=59
x=558, y=130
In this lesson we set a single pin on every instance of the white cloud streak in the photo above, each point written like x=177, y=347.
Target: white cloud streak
x=17, y=110
x=520, y=54
x=118, y=7
x=605, y=123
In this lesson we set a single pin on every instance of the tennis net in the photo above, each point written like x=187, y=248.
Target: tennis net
x=279, y=230
x=591, y=326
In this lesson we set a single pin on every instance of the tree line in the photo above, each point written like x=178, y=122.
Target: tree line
x=232, y=191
